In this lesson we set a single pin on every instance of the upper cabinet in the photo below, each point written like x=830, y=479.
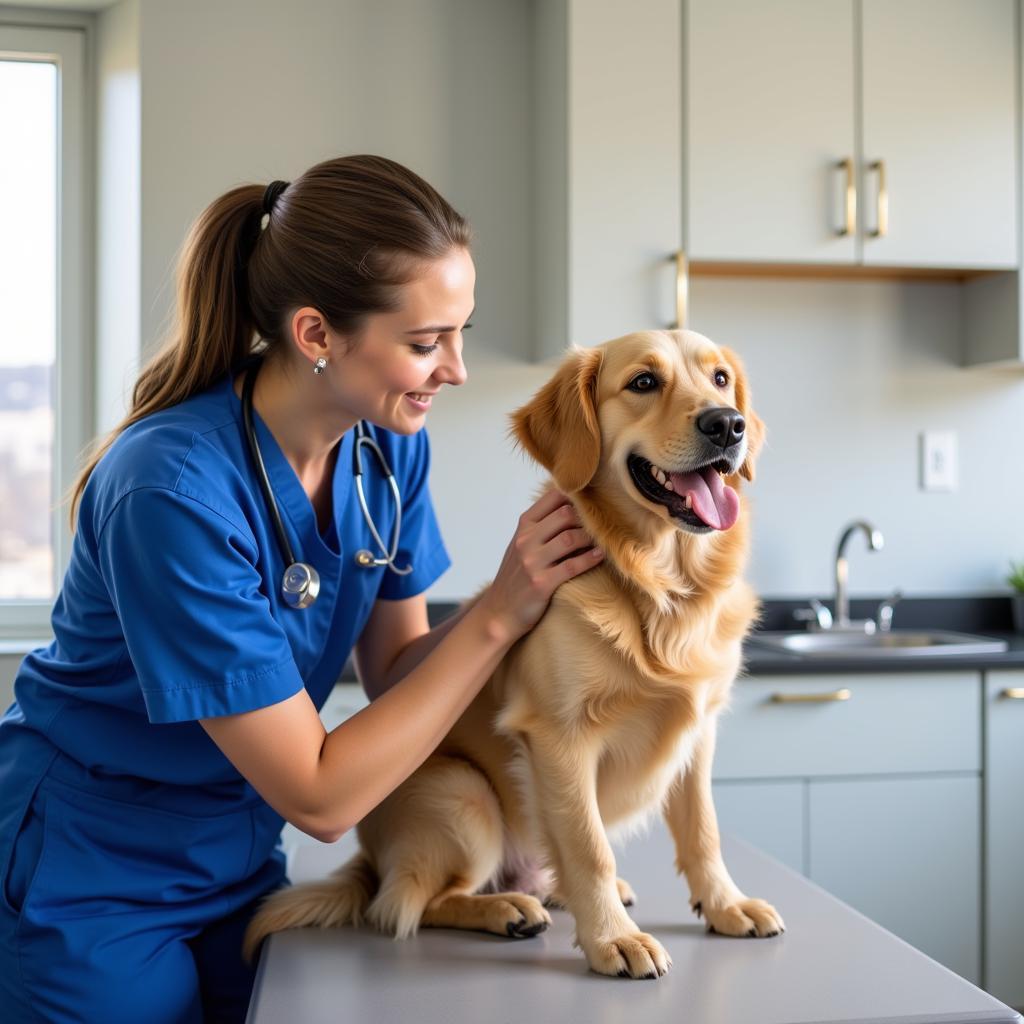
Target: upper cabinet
x=769, y=102
x=873, y=132
x=829, y=136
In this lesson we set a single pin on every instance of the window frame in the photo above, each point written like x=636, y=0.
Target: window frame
x=65, y=46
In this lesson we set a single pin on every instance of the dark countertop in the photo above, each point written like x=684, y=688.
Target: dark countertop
x=986, y=615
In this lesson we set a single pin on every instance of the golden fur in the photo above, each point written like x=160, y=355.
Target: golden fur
x=600, y=715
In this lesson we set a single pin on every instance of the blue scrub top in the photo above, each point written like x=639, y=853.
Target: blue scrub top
x=170, y=611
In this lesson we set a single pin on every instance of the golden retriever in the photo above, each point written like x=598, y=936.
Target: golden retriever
x=607, y=709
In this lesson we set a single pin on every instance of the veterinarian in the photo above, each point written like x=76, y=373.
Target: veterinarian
x=157, y=746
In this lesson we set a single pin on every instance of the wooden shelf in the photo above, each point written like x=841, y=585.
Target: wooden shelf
x=709, y=268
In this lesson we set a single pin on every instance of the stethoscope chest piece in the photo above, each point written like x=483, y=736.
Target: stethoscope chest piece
x=300, y=585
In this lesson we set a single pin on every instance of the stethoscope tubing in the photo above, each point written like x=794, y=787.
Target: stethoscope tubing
x=357, y=472
x=295, y=569
x=261, y=469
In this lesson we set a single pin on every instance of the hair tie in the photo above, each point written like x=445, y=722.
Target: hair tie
x=273, y=190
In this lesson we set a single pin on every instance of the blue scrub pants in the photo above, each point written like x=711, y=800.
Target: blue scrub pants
x=118, y=954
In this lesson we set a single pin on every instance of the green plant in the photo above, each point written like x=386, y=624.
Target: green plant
x=1016, y=577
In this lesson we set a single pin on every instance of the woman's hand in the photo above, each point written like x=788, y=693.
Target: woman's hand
x=535, y=563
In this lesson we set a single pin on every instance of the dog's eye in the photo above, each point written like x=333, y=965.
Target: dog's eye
x=643, y=382
x=721, y=378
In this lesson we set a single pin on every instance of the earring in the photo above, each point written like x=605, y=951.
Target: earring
x=321, y=364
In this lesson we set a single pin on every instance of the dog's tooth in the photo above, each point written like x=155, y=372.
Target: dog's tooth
x=667, y=484
x=688, y=503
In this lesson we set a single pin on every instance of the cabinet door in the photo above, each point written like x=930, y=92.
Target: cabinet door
x=939, y=108
x=769, y=106
x=906, y=853
x=1004, y=847
x=770, y=815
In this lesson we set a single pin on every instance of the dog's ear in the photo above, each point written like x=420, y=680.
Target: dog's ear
x=559, y=427
x=755, y=426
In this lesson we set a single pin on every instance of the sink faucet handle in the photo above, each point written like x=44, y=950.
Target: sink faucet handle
x=883, y=615
x=818, y=615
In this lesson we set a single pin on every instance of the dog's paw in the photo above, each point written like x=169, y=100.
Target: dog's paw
x=745, y=918
x=632, y=955
x=626, y=893
x=516, y=915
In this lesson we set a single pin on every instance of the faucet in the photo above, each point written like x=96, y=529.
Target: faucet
x=883, y=614
x=842, y=602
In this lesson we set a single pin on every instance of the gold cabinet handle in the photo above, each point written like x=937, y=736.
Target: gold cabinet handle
x=850, y=201
x=1013, y=692
x=813, y=698
x=882, y=202
x=682, y=289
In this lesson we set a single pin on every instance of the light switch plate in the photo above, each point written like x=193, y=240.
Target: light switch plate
x=938, y=460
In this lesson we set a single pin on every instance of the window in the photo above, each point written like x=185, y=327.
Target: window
x=43, y=397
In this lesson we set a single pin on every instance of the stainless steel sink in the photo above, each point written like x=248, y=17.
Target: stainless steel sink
x=901, y=643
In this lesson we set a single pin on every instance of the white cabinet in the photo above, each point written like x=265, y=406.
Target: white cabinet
x=905, y=852
x=769, y=108
x=769, y=813
x=872, y=789
x=1004, y=847
x=939, y=109
x=785, y=99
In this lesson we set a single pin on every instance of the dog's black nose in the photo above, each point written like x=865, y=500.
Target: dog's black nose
x=722, y=426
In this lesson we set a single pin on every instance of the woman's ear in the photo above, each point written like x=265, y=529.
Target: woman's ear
x=559, y=427
x=755, y=426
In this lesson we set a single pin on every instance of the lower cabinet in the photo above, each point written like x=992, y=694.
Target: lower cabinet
x=871, y=786
x=902, y=851
x=1004, y=845
x=906, y=853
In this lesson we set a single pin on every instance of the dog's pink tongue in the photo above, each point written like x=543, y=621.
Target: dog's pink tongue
x=716, y=504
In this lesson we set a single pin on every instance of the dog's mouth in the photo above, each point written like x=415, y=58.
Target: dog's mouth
x=699, y=498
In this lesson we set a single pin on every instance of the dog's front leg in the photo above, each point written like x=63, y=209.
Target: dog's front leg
x=690, y=813
x=564, y=779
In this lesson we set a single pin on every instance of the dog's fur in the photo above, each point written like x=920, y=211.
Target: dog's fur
x=601, y=714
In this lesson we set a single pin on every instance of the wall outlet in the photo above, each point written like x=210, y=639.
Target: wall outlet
x=938, y=460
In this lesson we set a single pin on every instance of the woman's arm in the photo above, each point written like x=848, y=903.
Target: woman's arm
x=323, y=783
x=386, y=631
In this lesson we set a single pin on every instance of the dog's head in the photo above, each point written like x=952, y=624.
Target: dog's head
x=662, y=416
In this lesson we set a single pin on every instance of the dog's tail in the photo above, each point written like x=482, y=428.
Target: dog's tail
x=338, y=900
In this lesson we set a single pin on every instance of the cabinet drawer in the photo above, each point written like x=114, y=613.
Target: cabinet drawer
x=910, y=722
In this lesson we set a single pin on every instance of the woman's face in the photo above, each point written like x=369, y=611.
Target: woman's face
x=410, y=352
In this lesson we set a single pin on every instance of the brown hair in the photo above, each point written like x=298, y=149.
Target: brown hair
x=341, y=238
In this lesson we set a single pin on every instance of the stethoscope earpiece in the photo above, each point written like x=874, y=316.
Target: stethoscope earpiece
x=300, y=584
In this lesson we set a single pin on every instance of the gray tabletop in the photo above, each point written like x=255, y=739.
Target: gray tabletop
x=831, y=964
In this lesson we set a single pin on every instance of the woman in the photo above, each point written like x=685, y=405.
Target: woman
x=156, y=747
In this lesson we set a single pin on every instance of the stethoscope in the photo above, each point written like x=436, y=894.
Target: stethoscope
x=301, y=582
